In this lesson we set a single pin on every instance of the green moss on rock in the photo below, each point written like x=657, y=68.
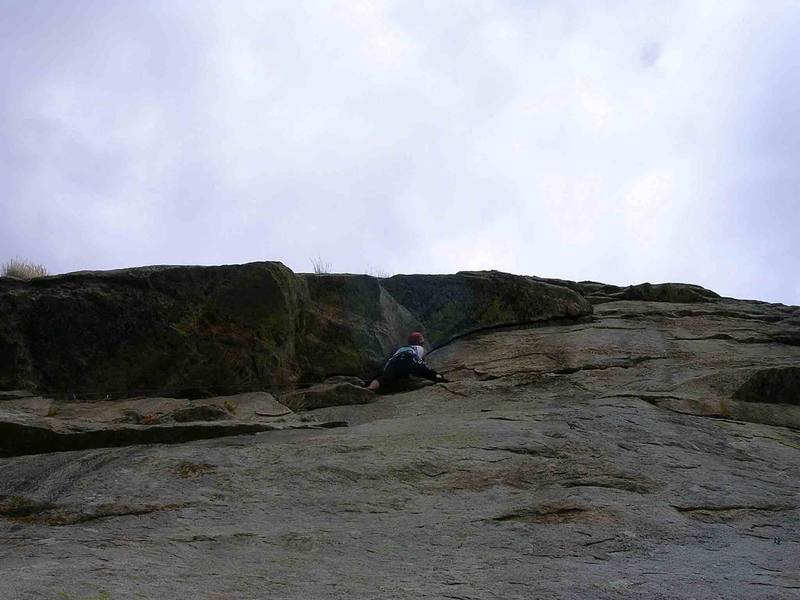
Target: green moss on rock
x=453, y=305
x=199, y=331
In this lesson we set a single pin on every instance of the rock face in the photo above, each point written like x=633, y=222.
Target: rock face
x=728, y=359
x=599, y=293
x=350, y=325
x=648, y=450
x=157, y=330
x=35, y=425
x=453, y=305
x=201, y=331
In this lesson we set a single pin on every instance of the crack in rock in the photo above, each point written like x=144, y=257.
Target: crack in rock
x=614, y=483
x=708, y=513
x=553, y=515
x=730, y=507
x=633, y=362
x=22, y=438
x=26, y=510
x=544, y=451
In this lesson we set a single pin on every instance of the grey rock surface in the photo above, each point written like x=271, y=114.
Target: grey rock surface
x=35, y=425
x=327, y=394
x=599, y=293
x=612, y=458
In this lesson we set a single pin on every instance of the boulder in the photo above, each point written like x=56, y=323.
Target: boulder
x=180, y=331
x=600, y=293
x=667, y=292
x=450, y=306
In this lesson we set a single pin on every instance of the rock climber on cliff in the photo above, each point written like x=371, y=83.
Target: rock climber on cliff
x=407, y=360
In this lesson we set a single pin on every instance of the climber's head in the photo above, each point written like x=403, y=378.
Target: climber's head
x=415, y=338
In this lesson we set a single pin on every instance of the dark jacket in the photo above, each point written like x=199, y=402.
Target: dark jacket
x=408, y=361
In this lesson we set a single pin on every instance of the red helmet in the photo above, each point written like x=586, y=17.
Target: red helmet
x=415, y=338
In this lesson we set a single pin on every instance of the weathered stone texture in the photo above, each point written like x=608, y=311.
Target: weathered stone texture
x=649, y=449
x=200, y=331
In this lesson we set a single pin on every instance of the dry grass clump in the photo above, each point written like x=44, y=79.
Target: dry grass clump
x=23, y=269
x=320, y=266
x=376, y=272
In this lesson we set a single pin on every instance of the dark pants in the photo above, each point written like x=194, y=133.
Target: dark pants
x=399, y=368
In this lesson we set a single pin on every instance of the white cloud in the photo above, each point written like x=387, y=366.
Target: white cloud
x=612, y=141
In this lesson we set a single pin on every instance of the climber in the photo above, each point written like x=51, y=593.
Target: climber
x=406, y=361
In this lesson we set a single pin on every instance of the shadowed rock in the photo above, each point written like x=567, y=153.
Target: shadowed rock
x=350, y=324
x=180, y=331
x=666, y=292
x=599, y=293
x=327, y=394
x=24, y=434
x=453, y=305
x=203, y=331
x=204, y=412
x=781, y=386
x=33, y=425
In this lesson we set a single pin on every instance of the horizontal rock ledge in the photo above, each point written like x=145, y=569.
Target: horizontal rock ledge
x=22, y=435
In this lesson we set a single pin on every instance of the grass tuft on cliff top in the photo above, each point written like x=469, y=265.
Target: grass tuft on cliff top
x=23, y=269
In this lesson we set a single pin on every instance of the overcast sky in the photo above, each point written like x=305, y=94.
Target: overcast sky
x=620, y=142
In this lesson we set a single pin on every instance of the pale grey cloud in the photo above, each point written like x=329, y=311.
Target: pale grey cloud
x=623, y=142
